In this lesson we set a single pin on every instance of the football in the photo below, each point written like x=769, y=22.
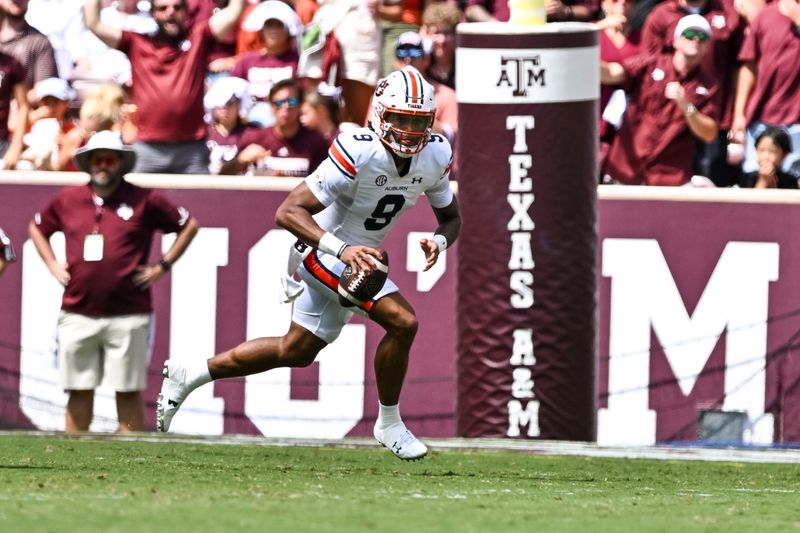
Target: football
x=355, y=289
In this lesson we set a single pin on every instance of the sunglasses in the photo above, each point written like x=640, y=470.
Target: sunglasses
x=414, y=53
x=695, y=34
x=290, y=102
x=104, y=160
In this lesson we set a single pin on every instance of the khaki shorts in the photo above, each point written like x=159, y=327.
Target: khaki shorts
x=113, y=350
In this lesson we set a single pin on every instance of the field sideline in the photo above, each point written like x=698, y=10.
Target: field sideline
x=50, y=482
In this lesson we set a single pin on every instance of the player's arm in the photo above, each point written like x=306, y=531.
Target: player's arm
x=295, y=215
x=91, y=18
x=449, y=219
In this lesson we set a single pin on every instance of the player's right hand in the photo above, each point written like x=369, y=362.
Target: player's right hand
x=358, y=258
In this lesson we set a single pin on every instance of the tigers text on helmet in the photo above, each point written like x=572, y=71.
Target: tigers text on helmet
x=402, y=111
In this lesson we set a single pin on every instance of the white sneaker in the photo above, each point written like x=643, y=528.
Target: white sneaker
x=174, y=390
x=400, y=441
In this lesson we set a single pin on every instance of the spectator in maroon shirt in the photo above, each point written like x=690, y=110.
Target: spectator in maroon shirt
x=617, y=43
x=768, y=87
x=105, y=320
x=223, y=52
x=168, y=73
x=557, y=10
x=285, y=149
x=6, y=251
x=719, y=63
x=25, y=43
x=671, y=104
x=12, y=88
x=226, y=105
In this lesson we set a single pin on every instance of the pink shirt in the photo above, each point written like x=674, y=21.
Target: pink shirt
x=654, y=144
x=262, y=71
x=727, y=33
x=773, y=44
x=127, y=222
x=168, y=84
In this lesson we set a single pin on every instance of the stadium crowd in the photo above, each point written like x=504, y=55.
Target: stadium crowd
x=200, y=86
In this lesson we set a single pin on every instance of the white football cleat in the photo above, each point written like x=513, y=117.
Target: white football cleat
x=174, y=390
x=400, y=441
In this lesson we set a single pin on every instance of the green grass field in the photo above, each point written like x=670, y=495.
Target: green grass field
x=62, y=484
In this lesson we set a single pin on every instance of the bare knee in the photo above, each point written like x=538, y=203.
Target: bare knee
x=403, y=325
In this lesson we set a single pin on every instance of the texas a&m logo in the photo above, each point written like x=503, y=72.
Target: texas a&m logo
x=525, y=72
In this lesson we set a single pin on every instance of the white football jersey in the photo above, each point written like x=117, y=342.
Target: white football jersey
x=362, y=192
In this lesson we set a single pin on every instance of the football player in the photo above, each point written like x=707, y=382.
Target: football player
x=341, y=213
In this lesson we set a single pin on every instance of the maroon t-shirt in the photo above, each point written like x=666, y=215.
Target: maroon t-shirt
x=223, y=148
x=263, y=70
x=198, y=12
x=168, y=84
x=654, y=145
x=727, y=33
x=773, y=44
x=127, y=222
x=297, y=156
x=11, y=73
x=611, y=54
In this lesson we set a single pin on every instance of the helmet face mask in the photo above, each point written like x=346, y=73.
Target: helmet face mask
x=403, y=112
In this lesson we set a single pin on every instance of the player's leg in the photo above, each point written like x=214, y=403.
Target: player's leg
x=299, y=347
x=316, y=321
x=397, y=317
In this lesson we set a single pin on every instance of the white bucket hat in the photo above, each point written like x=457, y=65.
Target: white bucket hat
x=273, y=9
x=106, y=140
x=222, y=91
x=55, y=87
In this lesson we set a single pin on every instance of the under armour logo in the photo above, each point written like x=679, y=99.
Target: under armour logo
x=418, y=179
x=396, y=447
x=172, y=403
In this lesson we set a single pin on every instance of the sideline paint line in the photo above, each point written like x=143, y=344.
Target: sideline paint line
x=562, y=448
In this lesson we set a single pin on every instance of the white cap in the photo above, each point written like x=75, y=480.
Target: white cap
x=223, y=90
x=55, y=87
x=273, y=9
x=695, y=22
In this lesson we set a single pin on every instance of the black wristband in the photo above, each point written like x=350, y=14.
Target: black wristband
x=165, y=265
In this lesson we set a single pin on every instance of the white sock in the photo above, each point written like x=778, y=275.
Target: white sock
x=197, y=373
x=388, y=415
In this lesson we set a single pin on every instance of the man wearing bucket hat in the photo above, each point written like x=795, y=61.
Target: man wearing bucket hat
x=671, y=104
x=169, y=73
x=105, y=323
